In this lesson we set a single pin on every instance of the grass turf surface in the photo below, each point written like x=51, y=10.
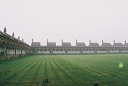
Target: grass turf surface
x=66, y=70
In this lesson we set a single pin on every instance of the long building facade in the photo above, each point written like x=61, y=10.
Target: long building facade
x=79, y=48
x=12, y=47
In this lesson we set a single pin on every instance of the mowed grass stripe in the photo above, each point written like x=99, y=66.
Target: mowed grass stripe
x=67, y=70
x=84, y=73
x=82, y=76
x=113, y=67
x=66, y=74
x=35, y=71
x=96, y=67
x=13, y=67
x=11, y=63
x=27, y=74
x=88, y=66
x=45, y=67
x=21, y=66
x=56, y=73
x=93, y=66
x=81, y=72
x=92, y=70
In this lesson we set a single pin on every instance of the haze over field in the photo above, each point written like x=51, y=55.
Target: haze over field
x=66, y=19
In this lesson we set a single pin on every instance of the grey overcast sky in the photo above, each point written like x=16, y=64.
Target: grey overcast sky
x=66, y=19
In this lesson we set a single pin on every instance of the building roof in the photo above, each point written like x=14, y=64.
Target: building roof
x=6, y=35
x=35, y=44
x=117, y=44
x=106, y=44
x=66, y=44
x=93, y=44
x=126, y=44
x=51, y=43
x=80, y=44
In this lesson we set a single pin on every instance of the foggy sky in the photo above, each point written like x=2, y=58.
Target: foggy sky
x=66, y=19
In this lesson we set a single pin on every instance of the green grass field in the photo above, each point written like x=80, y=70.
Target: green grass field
x=66, y=70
